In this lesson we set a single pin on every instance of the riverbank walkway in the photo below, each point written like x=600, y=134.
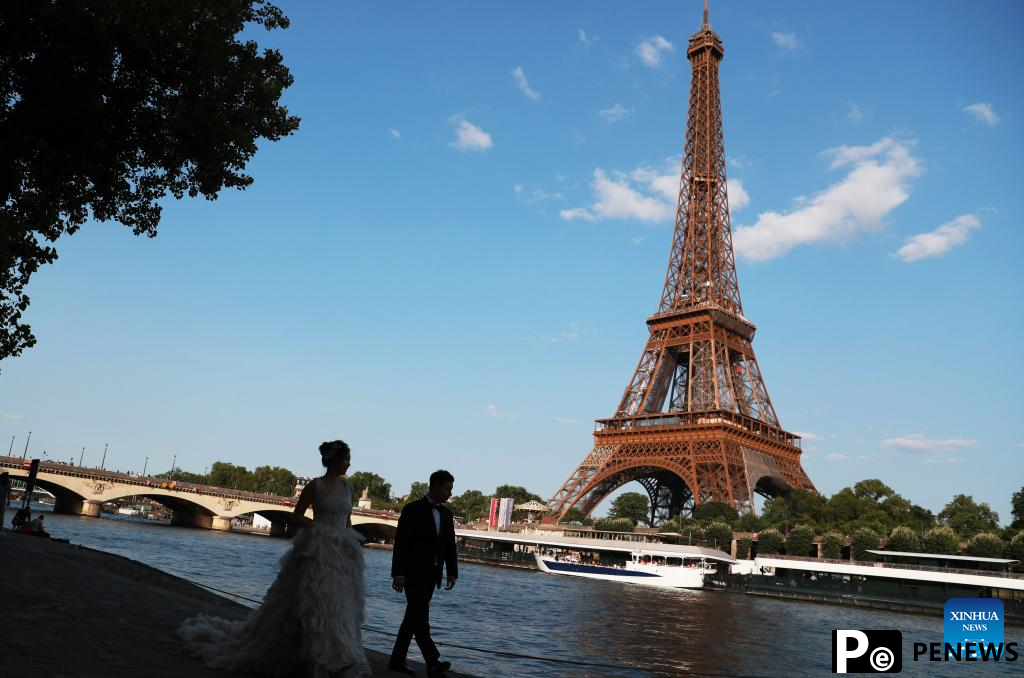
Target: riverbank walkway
x=67, y=611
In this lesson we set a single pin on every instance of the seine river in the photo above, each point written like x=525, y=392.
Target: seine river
x=642, y=631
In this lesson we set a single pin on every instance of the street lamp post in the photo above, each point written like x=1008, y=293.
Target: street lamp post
x=81, y=456
x=25, y=453
x=11, y=448
x=173, y=462
x=103, y=463
x=145, y=466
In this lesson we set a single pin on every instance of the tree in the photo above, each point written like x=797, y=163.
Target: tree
x=108, y=106
x=832, y=545
x=800, y=541
x=177, y=475
x=711, y=510
x=634, y=506
x=1017, y=510
x=273, y=479
x=749, y=522
x=863, y=538
x=718, y=535
x=966, y=518
x=903, y=539
x=769, y=542
x=418, y=489
x=611, y=524
x=520, y=495
x=941, y=540
x=743, y=548
x=986, y=545
x=470, y=505
x=379, y=488
x=573, y=515
x=1016, y=550
x=225, y=474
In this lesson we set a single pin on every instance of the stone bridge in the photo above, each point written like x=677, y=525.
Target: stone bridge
x=82, y=491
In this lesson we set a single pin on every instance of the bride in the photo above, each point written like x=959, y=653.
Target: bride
x=311, y=617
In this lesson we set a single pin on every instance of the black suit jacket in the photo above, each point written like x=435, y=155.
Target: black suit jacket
x=421, y=552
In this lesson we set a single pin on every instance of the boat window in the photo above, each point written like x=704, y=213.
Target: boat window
x=674, y=562
x=658, y=560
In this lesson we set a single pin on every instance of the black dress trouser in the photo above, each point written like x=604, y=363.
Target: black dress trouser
x=416, y=623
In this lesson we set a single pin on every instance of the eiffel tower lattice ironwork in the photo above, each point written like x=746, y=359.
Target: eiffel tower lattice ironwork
x=695, y=423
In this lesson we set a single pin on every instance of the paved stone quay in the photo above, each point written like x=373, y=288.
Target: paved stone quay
x=67, y=611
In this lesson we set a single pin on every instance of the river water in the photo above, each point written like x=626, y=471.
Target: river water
x=633, y=630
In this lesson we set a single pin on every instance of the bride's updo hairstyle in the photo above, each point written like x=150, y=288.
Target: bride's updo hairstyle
x=333, y=451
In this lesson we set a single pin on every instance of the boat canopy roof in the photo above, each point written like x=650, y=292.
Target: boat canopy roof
x=940, y=556
x=588, y=544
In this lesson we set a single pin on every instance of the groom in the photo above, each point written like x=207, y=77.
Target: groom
x=424, y=546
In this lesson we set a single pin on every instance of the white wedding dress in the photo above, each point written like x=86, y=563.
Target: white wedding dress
x=311, y=618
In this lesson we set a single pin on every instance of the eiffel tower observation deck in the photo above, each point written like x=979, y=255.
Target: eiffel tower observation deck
x=695, y=423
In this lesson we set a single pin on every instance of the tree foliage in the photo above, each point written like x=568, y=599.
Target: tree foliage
x=800, y=541
x=743, y=548
x=903, y=538
x=107, y=106
x=520, y=495
x=711, y=510
x=470, y=505
x=1016, y=550
x=863, y=538
x=986, y=545
x=832, y=545
x=634, y=506
x=769, y=542
x=966, y=517
x=417, y=490
x=379, y=489
x=273, y=479
x=610, y=524
x=718, y=535
x=941, y=539
x=1017, y=510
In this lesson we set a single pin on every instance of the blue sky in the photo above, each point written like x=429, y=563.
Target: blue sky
x=450, y=264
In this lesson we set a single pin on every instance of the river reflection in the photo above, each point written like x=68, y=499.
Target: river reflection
x=642, y=631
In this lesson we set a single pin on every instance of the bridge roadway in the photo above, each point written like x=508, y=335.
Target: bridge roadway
x=82, y=491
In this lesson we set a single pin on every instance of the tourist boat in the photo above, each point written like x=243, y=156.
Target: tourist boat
x=645, y=566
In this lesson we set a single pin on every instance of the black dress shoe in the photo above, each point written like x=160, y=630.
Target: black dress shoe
x=438, y=669
x=400, y=668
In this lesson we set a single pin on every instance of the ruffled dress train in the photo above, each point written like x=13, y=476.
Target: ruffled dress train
x=311, y=618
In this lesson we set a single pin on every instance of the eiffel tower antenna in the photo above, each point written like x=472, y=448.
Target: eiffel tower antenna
x=695, y=423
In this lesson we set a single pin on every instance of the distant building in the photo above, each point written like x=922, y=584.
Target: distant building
x=300, y=484
x=364, y=501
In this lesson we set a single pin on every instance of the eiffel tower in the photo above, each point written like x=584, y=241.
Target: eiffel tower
x=695, y=423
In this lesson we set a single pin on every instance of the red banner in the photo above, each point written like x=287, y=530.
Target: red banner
x=492, y=521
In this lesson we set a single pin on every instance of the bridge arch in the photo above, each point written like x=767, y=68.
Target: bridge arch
x=666, y=484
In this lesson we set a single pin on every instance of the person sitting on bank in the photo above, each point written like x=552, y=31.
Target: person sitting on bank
x=37, y=527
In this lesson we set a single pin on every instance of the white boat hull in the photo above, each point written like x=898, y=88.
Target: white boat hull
x=674, y=577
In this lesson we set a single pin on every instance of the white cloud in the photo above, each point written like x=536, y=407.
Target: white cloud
x=1019, y=446
x=942, y=460
x=916, y=442
x=836, y=456
x=853, y=113
x=11, y=417
x=646, y=194
x=565, y=421
x=614, y=113
x=537, y=196
x=807, y=436
x=395, y=134
x=523, y=84
x=637, y=239
x=616, y=198
x=469, y=137
x=983, y=112
x=517, y=189
x=785, y=40
x=652, y=50
x=941, y=240
x=738, y=196
x=572, y=333
x=493, y=411
x=587, y=40
x=877, y=183
x=738, y=162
